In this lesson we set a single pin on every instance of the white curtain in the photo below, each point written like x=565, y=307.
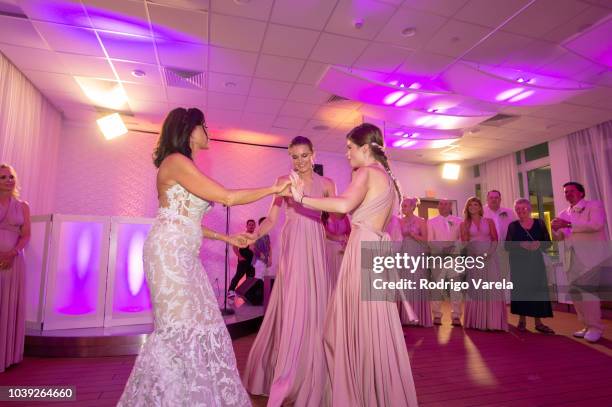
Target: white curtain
x=590, y=163
x=29, y=136
x=501, y=174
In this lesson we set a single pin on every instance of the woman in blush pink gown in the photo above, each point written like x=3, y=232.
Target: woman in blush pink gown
x=366, y=353
x=286, y=361
x=411, y=231
x=337, y=231
x=485, y=309
x=14, y=236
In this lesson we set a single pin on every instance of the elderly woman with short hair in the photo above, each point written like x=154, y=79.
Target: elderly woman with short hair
x=526, y=241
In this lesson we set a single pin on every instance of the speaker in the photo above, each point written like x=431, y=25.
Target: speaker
x=252, y=290
x=318, y=168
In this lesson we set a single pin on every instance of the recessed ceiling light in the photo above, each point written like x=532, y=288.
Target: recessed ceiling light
x=242, y=2
x=409, y=32
x=358, y=23
x=139, y=73
x=320, y=127
x=230, y=84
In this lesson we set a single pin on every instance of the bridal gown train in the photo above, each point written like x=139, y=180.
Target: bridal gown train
x=188, y=360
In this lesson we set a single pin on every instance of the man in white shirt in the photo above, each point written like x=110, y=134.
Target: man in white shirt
x=582, y=227
x=502, y=217
x=443, y=236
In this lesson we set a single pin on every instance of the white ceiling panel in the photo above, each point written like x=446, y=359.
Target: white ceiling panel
x=455, y=37
x=18, y=31
x=281, y=68
x=232, y=61
x=335, y=49
x=360, y=19
x=65, y=38
x=267, y=88
x=307, y=14
x=258, y=10
x=289, y=41
x=184, y=25
x=226, y=83
x=397, y=30
x=236, y=32
x=33, y=58
x=543, y=16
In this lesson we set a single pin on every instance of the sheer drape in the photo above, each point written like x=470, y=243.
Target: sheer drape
x=29, y=136
x=501, y=174
x=590, y=163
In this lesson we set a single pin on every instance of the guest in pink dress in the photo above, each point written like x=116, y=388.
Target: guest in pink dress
x=337, y=231
x=411, y=231
x=485, y=309
x=366, y=352
x=286, y=361
x=14, y=236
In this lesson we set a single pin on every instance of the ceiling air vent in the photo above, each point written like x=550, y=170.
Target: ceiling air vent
x=500, y=119
x=335, y=99
x=179, y=78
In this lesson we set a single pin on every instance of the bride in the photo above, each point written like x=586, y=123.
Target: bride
x=188, y=360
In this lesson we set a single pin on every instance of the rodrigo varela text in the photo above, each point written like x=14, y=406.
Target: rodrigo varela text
x=424, y=284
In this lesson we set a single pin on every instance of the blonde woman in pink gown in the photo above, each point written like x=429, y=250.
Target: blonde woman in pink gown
x=366, y=353
x=337, y=231
x=188, y=360
x=485, y=309
x=286, y=361
x=411, y=231
x=14, y=236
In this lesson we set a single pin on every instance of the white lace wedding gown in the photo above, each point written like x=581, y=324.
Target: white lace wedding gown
x=188, y=360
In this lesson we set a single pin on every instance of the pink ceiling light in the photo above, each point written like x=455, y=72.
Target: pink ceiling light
x=595, y=43
x=426, y=119
x=509, y=86
x=419, y=138
x=374, y=89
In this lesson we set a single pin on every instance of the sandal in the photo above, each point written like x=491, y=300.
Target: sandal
x=544, y=329
x=522, y=326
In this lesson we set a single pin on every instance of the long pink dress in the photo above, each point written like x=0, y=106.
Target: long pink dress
x=287, y=361
x=12, y=289
x=484, y=309
x=366, y=352
x=335, y=250
x=418, y=300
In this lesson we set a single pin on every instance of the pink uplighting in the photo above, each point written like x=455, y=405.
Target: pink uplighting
x=78, y=267
x=130, y=293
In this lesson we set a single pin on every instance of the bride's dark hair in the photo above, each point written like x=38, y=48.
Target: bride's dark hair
x=176, y=133
x=367, y=133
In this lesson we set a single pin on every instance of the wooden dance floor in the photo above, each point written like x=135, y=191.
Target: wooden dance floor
x=451, y=367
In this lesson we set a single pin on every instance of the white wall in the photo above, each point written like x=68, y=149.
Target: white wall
x=117, y=178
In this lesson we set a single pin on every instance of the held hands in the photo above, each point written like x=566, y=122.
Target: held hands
x=297, y=187
x=281, y=187
x=558, y=223
x=241, y=240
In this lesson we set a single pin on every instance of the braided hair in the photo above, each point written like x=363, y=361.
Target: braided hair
x=367, y=133
x=176, y=133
